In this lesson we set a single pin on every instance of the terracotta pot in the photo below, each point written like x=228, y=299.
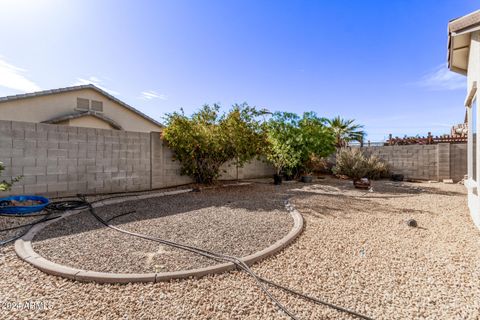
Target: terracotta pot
x=363, y=183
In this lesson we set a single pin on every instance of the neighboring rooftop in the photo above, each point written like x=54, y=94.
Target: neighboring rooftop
x=74, y=88
x=76, y=115
x=459, y=33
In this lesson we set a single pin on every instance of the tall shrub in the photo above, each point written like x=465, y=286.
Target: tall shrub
x=283, y=142
x=198, y=142
x=208, y=139
x=296, y=140
x=245, y=135
x=317, y=140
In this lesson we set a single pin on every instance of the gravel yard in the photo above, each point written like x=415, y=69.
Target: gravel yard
x=355, y=251
x=229, y=220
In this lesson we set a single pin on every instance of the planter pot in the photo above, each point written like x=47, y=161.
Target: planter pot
x=288, y=177
x=363, y=183
x=277, y=179
x=397, y=177
x=306, y=179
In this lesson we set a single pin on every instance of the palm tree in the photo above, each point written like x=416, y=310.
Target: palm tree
x=345, y=131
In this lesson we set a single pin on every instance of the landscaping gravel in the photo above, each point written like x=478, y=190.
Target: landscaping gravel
x=225, y=220
x=356, y=251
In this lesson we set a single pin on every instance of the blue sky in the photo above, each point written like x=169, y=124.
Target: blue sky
x=379, y=62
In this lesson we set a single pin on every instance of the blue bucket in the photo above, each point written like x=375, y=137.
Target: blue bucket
x=23, y=209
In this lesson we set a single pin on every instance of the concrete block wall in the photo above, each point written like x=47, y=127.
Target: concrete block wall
x=57, y=160
x=425, y=162
x=165, y=171
x=60, y=160
x=458, y=161
x=254, y=169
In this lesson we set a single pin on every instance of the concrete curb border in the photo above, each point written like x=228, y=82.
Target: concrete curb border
x=24, y=250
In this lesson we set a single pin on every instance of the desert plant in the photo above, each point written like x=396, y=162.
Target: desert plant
x=355, y=164
x=351, y=163
x=377, y=168
x=345, y=131
x=7, y=185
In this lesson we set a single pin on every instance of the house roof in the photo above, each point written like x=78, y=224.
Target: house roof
x=76, y=115
x=75, y=88
x=459, y=33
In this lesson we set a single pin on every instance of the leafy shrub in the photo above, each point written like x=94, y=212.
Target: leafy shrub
x=207, y=140
x=292, y=141
x=7, y=185
x=318, y=140
x=355, y=164
x=282, y=142
x=245, y=134
x=321, y=164
x=281, y=155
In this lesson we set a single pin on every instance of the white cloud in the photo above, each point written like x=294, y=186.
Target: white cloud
x=150, y=95
x=441, y=78
x=14, y=78
x=95, y=81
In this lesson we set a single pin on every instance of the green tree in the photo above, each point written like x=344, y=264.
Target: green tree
x=317, y=140
x=293, y=141
x=345, y=131
x=246, y=137
x=198, y=142
x=283, y=141
x=207, y=140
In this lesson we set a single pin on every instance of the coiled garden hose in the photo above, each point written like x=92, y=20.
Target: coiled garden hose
x=46, y=213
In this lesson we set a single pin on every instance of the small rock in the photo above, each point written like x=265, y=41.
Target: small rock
x=412, y=223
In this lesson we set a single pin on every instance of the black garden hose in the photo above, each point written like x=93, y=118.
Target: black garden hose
x=226, y=258
x=261, y=282
x=46, y=216
x=46, y=213
x=21, y=234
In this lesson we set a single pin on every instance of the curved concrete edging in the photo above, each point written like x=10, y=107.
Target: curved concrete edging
x=24, y=249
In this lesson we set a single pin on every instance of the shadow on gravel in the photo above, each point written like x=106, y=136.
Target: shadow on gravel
x=323, y=206
x=257, y=197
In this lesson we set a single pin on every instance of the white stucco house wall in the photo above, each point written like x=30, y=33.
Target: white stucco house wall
x=464, y=58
